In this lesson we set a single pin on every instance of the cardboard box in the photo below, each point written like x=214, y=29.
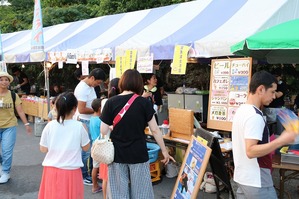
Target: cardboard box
x=181, y=123
x=30, y=107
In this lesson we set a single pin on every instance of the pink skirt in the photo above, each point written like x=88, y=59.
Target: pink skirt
x=61, y=183
x=103, y=174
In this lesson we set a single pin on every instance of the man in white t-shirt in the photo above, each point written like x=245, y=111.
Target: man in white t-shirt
x=85, y=94
x=250, y=141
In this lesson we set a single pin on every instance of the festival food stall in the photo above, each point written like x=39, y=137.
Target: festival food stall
x=228, y=82
x=35, y=106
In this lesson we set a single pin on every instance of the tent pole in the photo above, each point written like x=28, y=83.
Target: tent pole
x=47, y=87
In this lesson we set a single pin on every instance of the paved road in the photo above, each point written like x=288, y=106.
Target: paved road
x=27, y=170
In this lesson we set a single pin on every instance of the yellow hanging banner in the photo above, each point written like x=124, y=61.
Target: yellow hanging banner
x=120, y=63
x=130, y=58
x=179, y=60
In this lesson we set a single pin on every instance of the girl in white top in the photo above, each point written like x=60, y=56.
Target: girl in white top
x=63, y=141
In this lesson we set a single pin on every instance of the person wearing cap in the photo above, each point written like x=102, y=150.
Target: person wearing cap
x=8, y=123
x=23, y=81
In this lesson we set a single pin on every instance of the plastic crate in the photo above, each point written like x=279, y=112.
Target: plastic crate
x=155, y=171
x=153, y=151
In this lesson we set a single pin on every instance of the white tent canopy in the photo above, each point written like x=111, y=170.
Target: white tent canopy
x=210, y=27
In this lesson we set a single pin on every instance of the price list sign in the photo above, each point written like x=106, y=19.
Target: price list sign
x=229, y=88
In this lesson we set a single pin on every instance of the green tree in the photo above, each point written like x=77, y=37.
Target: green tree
x=58, y=15
x=62, y=3
x=23, y=5
x=19, y=15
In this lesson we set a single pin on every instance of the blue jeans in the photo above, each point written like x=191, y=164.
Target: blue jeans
x=86, y=155
x=7, y=140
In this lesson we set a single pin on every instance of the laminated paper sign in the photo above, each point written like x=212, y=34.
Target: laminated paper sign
x=85, y=69
x=145, y=64
x=120, y=65
x=130, y=59
x=71, y=57
x=229, y=88
x=180, y=60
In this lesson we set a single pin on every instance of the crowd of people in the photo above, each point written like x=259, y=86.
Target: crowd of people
x=92, y=118
x=78, y=118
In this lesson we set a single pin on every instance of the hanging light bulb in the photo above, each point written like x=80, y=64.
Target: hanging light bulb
x=48, y=64
x=23, y=66
x=77, y=66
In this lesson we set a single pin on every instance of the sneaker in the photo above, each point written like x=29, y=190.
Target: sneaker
x=89, y=178
x=4, y=178
x=87, y=181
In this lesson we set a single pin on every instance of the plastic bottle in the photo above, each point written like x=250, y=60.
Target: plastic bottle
x=165, y=127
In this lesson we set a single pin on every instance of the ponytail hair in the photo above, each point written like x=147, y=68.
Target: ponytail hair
x=65, y=103
x=113, y=87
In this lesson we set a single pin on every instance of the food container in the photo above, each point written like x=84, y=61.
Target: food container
x=289, y=158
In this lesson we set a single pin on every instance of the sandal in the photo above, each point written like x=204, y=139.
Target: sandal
x=99, y=189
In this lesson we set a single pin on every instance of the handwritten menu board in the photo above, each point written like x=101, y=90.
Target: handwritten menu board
x=229, y=88
x=192, y=170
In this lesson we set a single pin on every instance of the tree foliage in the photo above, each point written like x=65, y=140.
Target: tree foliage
x=19, y=15
x=58, y=15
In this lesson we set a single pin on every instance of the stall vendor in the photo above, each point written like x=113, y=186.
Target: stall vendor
x=151, y=92
x=22, y=80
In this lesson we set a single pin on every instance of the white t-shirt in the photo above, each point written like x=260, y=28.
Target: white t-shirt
x=85, y=93
x=64, y=142
x=247, y=124
x=103, y=102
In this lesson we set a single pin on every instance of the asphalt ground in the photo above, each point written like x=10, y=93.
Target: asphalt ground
x=26, y=174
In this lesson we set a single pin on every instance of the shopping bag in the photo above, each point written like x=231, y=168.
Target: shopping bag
x=102, y=151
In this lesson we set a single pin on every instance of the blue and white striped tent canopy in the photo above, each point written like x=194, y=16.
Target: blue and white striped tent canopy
x=210, y=27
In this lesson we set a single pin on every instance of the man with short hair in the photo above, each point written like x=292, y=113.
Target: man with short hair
x=79, y=76
x=85, y=94
x=250, y=141
x=22, y=80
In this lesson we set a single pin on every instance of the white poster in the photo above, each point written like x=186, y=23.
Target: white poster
x=85, y=69
x=60, y=65
x=112, y=73
x=71, y=57
x=145, y=64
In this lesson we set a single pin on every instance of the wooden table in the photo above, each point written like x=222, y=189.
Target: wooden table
x=283, y=168
x=175, y=142
x=169, y=141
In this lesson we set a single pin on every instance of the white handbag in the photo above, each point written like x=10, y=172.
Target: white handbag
x=102, y=151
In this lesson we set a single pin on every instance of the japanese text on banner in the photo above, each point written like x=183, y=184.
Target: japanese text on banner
x=120, y=65
x=37, y=39
x=180, y=60
x=130, y=58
